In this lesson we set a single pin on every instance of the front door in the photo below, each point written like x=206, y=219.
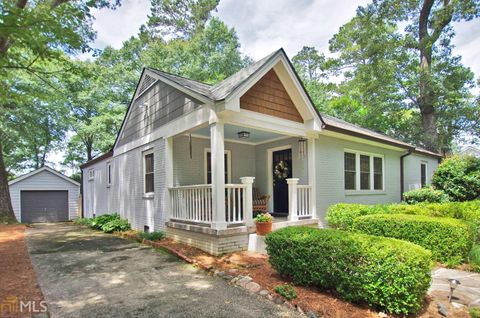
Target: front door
x=281, y=170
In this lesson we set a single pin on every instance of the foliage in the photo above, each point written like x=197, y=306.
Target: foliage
x=343, y=215
x=263, y=217
x=84, y=221
x=449, y=240
x=474, y=258
x=459, y=177
x=286, y=291
x=427, y=194
x=109, y=223
x=474, y=312
x=389, y=274
x=152, y=236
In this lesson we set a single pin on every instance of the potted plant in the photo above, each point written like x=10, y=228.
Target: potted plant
x=263, y=223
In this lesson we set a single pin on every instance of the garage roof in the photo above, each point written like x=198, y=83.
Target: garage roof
x=44, y=168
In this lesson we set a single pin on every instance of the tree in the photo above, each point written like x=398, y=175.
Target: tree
x=32, y=32
x=409, y=75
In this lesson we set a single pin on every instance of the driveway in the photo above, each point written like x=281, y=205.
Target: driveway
x=84, y=273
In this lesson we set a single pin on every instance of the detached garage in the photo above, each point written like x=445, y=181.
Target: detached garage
x=44, y=195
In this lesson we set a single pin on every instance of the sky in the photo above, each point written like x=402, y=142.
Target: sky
x=263, y=26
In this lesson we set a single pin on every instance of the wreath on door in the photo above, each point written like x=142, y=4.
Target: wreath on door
x=281, y=171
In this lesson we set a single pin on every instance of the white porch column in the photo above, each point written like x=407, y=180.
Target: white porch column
x=292, y=199
x=168, y=176
x=312, y=176
x=248, y=181
x=218, y=175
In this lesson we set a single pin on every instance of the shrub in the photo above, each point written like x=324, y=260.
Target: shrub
x=152, y=236
x=99, y=221
x=389, y=274
x=286, y=291
x=448, y=239
x=342, y=215
x=425, y=195
x=459, y=177
x=474, y=258
x=116, y=225
x=83, y=221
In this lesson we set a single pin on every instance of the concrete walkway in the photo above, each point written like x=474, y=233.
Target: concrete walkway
x=84, y=273
x=468, y=293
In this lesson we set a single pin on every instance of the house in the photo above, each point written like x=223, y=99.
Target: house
x=189, y=156
x=471, y=151
x=44, y=195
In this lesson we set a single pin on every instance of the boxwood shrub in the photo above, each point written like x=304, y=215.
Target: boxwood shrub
x=386, y=273
x=342, y=215
x=448, y=239
x=427, y=194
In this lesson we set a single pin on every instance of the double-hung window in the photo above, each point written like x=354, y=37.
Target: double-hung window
x=363, y=171
x=149, y=172
x=423, y=174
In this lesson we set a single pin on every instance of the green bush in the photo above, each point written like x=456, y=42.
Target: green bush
x=386, y=273
x=286, y=291
x=448, y=239
x=427, y=194
x=459, y=177
x=83, y=221
x=116, y=225
x=342, y=215
x=152, y=236
x=99, y=221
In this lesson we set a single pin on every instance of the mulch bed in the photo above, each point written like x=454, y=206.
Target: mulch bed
x=18, y=280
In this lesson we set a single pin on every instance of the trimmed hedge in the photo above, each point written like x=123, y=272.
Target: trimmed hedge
x=448, y=239
x=343, y=215
x=386, y=273
x=428, y=194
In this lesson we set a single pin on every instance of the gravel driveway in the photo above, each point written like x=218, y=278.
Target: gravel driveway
x=84, y=273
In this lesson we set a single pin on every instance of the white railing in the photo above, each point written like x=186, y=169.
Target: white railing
x=191, y=203
x=235, y=202
x=299, y=200
x=304, y=207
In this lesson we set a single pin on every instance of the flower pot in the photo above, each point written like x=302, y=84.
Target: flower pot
x=263, y=228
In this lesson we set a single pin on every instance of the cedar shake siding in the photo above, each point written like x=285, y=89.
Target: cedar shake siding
x=157, y=106
x=268, y=96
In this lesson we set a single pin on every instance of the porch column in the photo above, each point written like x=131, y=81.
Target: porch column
x=292, y=199
x=218, y=175
x=248, y=181
x=168, y=176
x=312, y=176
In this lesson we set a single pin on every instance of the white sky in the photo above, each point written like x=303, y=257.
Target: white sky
x=264, y=26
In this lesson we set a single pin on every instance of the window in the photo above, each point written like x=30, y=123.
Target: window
x=109, y=174
x=363, y=171
x=91, y=174
x=208, y=166
x=350, y=172
x=377, y=173
x=423, y=174
x=148, y=168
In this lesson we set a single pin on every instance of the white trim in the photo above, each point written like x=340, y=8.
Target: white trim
x=44, y=168
x=371, y=189
x=243, y=141
x=229, y=164
x=109, y=173
x=270, y=152
x=338, y=135
x=144, y=154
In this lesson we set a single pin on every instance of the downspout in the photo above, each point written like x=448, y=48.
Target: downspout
x=402, y=186
x=81, y=193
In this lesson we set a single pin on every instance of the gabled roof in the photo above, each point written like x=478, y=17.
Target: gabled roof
x=97, y=159
x=44, y=168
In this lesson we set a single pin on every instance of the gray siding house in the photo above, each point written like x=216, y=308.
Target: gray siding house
x=191, y=158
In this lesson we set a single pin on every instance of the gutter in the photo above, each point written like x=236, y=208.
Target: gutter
x=402, y=186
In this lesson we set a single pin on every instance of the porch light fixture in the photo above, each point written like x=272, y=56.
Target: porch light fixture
x=243, y=134
x=302, y=148
x=453, y=285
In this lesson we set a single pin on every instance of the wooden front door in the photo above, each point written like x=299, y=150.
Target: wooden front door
x=281, y=170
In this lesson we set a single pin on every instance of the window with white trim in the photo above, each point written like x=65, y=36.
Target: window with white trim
x=208, y=166
x=363, y=171
x=148, y=168
x=91, y=174
x=109, y=174
x=423, y=174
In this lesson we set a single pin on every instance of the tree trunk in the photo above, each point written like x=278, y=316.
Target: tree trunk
x=6, y=210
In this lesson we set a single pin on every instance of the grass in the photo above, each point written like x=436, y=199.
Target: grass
x=152, y=236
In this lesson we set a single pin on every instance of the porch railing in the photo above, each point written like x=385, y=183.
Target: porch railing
x=300, y=200
x=193, y=203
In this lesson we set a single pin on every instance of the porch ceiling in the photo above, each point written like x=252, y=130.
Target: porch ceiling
x=231, y=134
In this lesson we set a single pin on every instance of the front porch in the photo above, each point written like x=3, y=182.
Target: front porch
x=217, y=215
